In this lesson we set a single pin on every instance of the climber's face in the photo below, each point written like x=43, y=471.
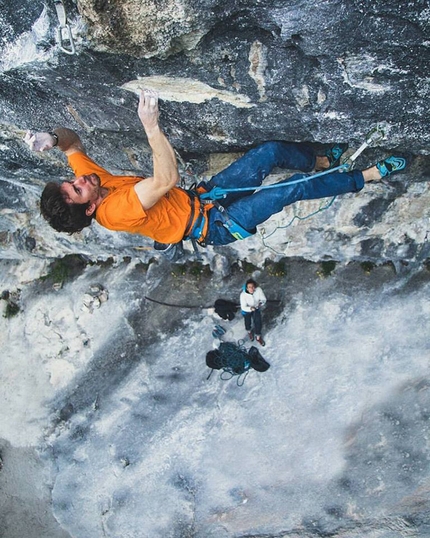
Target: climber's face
x=250, y=288
x=82, y=189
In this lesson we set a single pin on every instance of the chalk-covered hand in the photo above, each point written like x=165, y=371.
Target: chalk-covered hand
x=40, y=141
x=148, y=110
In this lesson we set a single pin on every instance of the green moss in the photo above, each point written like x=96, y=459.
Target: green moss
x=179, y=270
x=327, y=267
x=193, y=269
x=65, y=268
x=197, y=269
x=248, y=267
x=367, y=266
x=278, y=268
x=58, y=271
x=12, y=309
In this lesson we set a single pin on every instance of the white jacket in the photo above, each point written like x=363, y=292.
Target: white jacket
x=252, y=300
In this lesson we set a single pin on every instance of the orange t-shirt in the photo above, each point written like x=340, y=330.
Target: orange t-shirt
x=122, y=211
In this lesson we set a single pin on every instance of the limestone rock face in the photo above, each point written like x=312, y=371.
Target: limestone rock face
x=320, y=63
x=230, y=75
x=148, y=28
x=102, y=368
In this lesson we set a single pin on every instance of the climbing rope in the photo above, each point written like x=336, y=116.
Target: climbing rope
x=298, y=217
x=217, y=193
x=233, y=360
x=176, y=305
x=295, y=217
x=277, y=301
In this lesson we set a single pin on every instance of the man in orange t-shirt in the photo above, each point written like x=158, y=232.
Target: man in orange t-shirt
x=122, y=209
x=151, y=206
x=157, y=208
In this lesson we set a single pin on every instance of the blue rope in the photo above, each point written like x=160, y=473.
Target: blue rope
x=298, y=217
x=319, y=210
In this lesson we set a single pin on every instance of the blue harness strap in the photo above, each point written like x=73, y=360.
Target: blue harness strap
x=194, y=231
x=236, y=230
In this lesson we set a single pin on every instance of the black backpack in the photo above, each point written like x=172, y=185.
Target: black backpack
x=225, y=309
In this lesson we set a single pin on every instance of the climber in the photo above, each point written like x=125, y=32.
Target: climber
x=252, y=299
x=157, y=208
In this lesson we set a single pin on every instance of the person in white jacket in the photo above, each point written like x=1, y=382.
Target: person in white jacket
x=252, y=299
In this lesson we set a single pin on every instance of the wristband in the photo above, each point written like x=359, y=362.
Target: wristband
x=55, y=137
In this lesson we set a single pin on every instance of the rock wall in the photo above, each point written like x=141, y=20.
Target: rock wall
x=229, y=77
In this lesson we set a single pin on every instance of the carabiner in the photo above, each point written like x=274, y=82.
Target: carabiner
x=375, y=135
x=62, y=19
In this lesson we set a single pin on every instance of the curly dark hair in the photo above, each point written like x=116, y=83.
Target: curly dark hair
x=61, y=216
x=251, y=281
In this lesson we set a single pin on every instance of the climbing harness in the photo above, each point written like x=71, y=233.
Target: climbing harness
x=195, y=228
x=372, y=136
x=196, y=231
x=236, y=230
x=64, y=33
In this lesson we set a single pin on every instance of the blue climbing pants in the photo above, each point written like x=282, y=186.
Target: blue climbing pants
x=250, y=208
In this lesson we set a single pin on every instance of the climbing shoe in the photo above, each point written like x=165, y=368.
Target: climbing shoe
x=251, y=335
x=218, y=331
x=260, y=340
x=390, y=165
x=334, y=154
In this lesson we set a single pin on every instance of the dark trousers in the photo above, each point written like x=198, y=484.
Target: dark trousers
x=253, y=319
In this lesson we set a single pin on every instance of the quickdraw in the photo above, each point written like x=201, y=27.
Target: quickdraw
x=64, y=33
x=374, y=135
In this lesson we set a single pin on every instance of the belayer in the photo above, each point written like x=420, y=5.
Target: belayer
x=252, y=299
x=157, y=208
